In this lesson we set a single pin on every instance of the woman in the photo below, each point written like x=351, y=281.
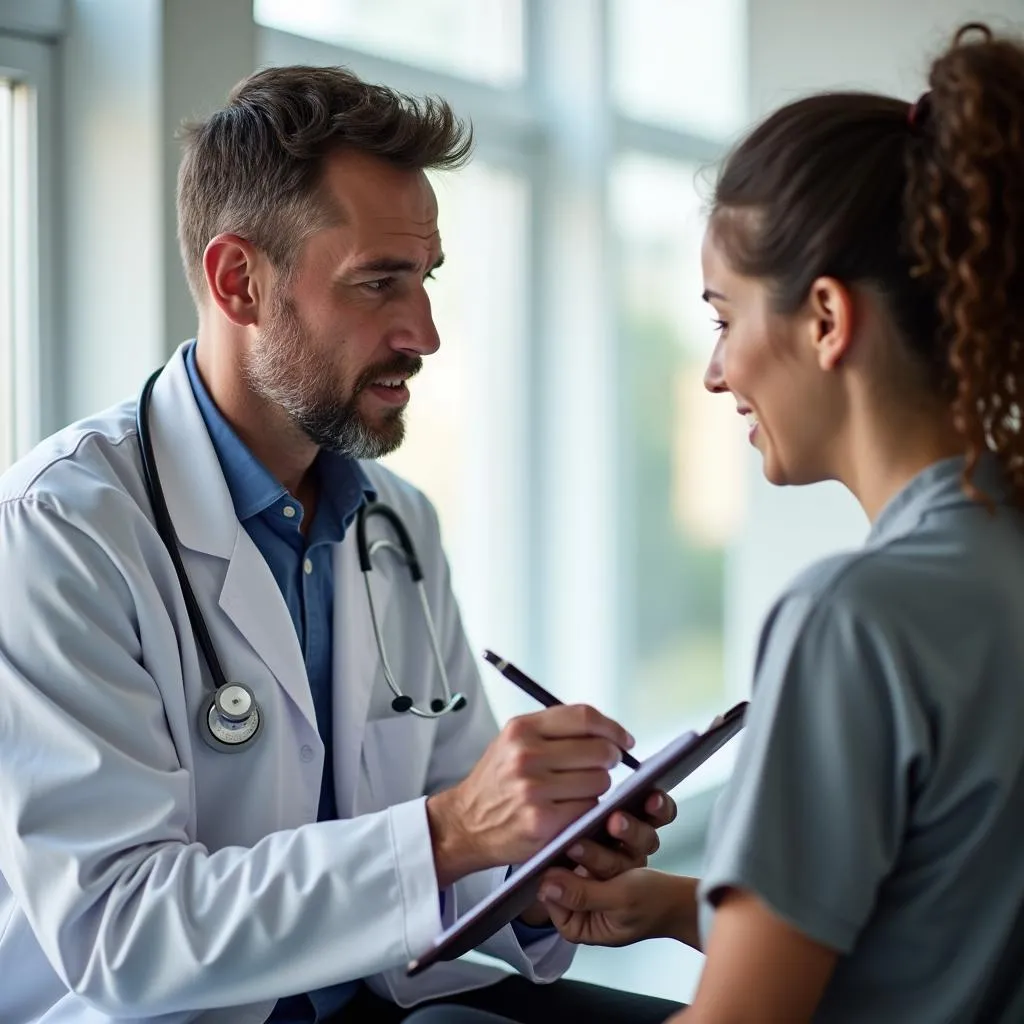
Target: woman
x=865, y=261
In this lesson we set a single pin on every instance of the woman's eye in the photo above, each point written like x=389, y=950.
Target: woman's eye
x=720, y=326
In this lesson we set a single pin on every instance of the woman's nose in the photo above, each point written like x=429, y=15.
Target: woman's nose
x=714, y=375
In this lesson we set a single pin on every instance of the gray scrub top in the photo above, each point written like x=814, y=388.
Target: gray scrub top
x=877, y=803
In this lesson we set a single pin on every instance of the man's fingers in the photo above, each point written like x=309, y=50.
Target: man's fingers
x=577, y=785
x=567, y=720
x=576, y=753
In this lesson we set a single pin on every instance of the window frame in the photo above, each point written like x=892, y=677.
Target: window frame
x=561, y=129
x=28, y=59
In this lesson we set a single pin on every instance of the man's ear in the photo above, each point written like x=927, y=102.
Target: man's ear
x=230, y=264
x=830, y=312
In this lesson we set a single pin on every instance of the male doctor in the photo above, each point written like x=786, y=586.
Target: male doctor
x=147, y=874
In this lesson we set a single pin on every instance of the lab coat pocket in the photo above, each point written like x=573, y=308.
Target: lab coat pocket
x=396, y=755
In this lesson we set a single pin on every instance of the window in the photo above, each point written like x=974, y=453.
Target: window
x=17, y=281
x=680, y=63
x=482, y=40
x=588, y=488
x=25, y=247
x=8, y=262
x=682, y=468
x=465, y=427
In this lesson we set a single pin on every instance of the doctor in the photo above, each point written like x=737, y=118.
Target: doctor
x=152, y=868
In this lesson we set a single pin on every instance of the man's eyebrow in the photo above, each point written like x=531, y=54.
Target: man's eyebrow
x=392, y=265
x=709, y=295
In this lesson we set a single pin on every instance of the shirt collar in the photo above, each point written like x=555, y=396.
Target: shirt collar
x=344, y=487
x=344, y=483
x=937, y=486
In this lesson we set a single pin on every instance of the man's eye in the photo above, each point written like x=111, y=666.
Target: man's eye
x=382, y=284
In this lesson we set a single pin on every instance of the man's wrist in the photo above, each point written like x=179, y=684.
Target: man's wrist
x=454, y=851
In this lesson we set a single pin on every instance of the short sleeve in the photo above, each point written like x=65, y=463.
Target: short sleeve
x=812, y=818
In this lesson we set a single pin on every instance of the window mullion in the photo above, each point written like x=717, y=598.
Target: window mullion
x=574, y=443
x=7, y=291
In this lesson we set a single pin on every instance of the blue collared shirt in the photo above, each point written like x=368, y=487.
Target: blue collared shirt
x=302, y=566
x=303, y=569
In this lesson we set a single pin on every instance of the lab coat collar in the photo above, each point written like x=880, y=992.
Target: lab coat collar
x=204, y=521
x=355, y=644
x=197, y=494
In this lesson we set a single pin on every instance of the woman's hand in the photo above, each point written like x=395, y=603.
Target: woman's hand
x=638, y=904
x=633, y=840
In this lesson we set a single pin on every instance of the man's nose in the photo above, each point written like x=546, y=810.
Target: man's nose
x=419, y=334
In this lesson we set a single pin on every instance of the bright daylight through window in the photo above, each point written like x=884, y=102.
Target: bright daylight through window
x=486, y=421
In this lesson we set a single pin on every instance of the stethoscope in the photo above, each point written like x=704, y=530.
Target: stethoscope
x=230, y=717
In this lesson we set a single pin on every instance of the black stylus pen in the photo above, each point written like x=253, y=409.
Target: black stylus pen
x=538, y=693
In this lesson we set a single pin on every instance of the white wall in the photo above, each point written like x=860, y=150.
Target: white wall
x=133, y=70
x=208, y=47
x=795, y=47
x=113, y=261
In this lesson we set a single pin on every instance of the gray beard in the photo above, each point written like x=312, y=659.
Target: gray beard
x=281, y=370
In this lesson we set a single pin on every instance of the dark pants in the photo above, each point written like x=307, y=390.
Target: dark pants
x=448, y=1014
x=516, y=999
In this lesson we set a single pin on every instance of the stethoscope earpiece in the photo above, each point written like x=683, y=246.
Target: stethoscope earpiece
x=439, y=707
x=229, y=717
x=404, y=550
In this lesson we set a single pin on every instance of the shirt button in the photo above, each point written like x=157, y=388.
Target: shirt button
x=306, y=753
x=288, y=511
x=307, y=566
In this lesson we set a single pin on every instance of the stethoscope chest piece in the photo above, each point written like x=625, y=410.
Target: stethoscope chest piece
x=231, y=718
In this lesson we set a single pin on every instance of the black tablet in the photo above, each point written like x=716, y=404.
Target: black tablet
x=663, y=770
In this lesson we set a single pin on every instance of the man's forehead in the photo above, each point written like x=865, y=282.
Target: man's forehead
x=368, y=188
x=424, y=230
x=379, y=237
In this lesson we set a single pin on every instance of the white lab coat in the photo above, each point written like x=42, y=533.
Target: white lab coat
x=144, y=876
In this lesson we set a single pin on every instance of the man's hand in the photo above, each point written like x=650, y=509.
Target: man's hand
x=639, y=904
x=539, y=774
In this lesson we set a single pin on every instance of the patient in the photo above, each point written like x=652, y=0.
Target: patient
x=865, y=262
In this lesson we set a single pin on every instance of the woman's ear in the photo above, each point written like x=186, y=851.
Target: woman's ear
x=830, y=314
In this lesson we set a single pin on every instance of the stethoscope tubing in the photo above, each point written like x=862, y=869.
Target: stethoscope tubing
x=213, y=718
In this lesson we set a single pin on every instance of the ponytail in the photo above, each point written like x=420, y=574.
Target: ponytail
x=964, y=206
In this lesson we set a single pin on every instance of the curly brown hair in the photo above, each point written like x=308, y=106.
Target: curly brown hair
x=923, y=202
x=965, y=204
x=255, y=167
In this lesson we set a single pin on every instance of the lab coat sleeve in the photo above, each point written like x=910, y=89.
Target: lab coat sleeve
x=547, y=958
x=96, y=808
